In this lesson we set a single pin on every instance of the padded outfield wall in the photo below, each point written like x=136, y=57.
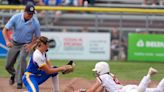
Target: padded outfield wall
x=145, y=47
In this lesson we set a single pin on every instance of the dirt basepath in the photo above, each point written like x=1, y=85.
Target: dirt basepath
x=47, y=86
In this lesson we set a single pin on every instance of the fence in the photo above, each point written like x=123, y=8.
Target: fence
x=94, y=19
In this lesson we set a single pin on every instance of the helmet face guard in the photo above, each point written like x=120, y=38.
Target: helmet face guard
x=101, y=68
x=95, y=74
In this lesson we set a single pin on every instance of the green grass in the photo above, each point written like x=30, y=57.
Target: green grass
x=3, y=72
x=123, y=70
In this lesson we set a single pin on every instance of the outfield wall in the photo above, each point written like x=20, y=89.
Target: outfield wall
x=96, y=46
x=79, y=46
x=146, y=47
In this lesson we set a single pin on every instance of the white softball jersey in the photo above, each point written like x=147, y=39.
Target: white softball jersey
x=39, y=58
x=107, y=82
x=110, y=86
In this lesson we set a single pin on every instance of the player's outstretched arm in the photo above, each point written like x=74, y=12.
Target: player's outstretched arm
x=51, y=70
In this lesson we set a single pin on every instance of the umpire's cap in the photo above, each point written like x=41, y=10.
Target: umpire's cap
x=30, y=8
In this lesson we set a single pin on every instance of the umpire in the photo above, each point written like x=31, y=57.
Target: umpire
x=26, y=29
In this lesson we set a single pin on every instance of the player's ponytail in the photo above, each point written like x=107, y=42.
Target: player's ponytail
x=40, y=40
x=35, y=45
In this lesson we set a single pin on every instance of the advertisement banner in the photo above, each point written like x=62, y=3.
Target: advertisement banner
x=145, y=47
x=3, y=47
x=79, y=46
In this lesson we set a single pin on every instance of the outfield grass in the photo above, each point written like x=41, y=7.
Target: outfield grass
x=123, y=70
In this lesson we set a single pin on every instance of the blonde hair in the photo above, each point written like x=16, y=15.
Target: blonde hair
x=40, y=40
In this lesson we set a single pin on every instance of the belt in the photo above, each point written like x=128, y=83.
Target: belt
x=17, y=43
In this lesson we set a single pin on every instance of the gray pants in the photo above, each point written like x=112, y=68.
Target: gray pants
x=13, y=53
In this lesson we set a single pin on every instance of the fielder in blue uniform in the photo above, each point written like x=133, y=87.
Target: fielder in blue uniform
x=39, y=69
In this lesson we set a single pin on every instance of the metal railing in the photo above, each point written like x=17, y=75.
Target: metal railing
x=95, y=18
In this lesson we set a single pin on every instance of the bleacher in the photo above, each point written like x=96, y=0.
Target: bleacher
x=132, y=2
x=99, y=21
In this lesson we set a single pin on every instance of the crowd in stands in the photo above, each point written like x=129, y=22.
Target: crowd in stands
x=53, y=2
x=153, y=2
x=83, y=2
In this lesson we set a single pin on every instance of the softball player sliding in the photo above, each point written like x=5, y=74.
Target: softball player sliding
x=39, y=69
x=105, y=80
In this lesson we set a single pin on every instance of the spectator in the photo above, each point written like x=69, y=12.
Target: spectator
x=51, y=3
x=14, y=2
x=24, y=2
x=118, y=45
x=87, y=2
x=115, y=44
x=71, y=2
x=154, y=2
x=161, y=2
x=26, y=29
x=36, y=2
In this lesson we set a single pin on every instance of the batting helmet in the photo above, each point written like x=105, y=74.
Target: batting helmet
x=101, y=68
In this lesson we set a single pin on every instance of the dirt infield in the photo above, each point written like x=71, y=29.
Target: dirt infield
x=76, y=83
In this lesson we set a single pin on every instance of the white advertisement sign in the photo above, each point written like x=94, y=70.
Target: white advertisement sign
x=79, y=46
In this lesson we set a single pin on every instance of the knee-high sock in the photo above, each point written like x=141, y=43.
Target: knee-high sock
x=161, y=85
x=55, y=82
x=144, y=83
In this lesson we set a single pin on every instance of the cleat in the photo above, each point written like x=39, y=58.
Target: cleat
x=19, y=86
x=12, y=80
x=152, y=71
